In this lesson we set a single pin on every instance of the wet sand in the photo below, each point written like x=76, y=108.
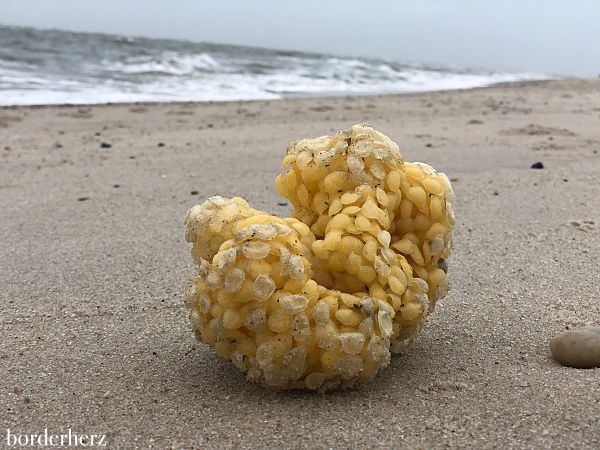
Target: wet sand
x=94, y=335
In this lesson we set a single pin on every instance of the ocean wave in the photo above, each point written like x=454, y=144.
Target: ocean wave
x=47, y=67
x=168, y=63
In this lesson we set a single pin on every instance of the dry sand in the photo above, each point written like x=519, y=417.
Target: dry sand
x=94, y=336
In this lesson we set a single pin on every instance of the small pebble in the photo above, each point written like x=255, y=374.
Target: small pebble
x=82, y=199
x=105, y=145
x=537, y=165
x=194, y=192
x=116, y=186
x=579, y=348
x=161, y=144
x=442, y=264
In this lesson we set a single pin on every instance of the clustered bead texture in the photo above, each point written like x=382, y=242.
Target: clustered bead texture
x=321, y=299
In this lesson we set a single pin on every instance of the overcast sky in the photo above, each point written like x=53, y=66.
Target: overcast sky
x=551, y=36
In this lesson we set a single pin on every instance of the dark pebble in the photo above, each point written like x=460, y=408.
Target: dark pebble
x=209, y=125
x=105, y=145
x=132, y=157
x=194, y=192
x=82, y=199
x=282, y=203
x=429, y=144
x=116, y=186
x=496, y=193
x=26, y=400
x=537, y=165
x=161, y=144
x=442, y=264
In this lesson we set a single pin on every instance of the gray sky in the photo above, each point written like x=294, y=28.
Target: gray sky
x=551, y=36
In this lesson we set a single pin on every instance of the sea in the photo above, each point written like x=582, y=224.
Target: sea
x=40, y=67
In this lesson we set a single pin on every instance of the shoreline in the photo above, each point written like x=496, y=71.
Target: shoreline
x=96, y=337
x=331, y=95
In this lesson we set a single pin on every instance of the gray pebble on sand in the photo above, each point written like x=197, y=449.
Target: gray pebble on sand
x=578, y=348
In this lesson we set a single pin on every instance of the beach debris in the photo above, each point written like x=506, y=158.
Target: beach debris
x=579, y=348
x=538, y=130
x=537, y=165
x=583, y=225
x=321, y=299
x=105, y=145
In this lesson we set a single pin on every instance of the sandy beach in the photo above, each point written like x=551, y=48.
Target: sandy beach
x=94, y=335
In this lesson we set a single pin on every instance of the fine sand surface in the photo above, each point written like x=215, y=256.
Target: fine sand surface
x=94, y=335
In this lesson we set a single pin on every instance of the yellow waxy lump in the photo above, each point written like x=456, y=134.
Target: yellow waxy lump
x=319, y=300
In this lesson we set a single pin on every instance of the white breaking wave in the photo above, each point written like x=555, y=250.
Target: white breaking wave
x=81, y=68
x=170, y=63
